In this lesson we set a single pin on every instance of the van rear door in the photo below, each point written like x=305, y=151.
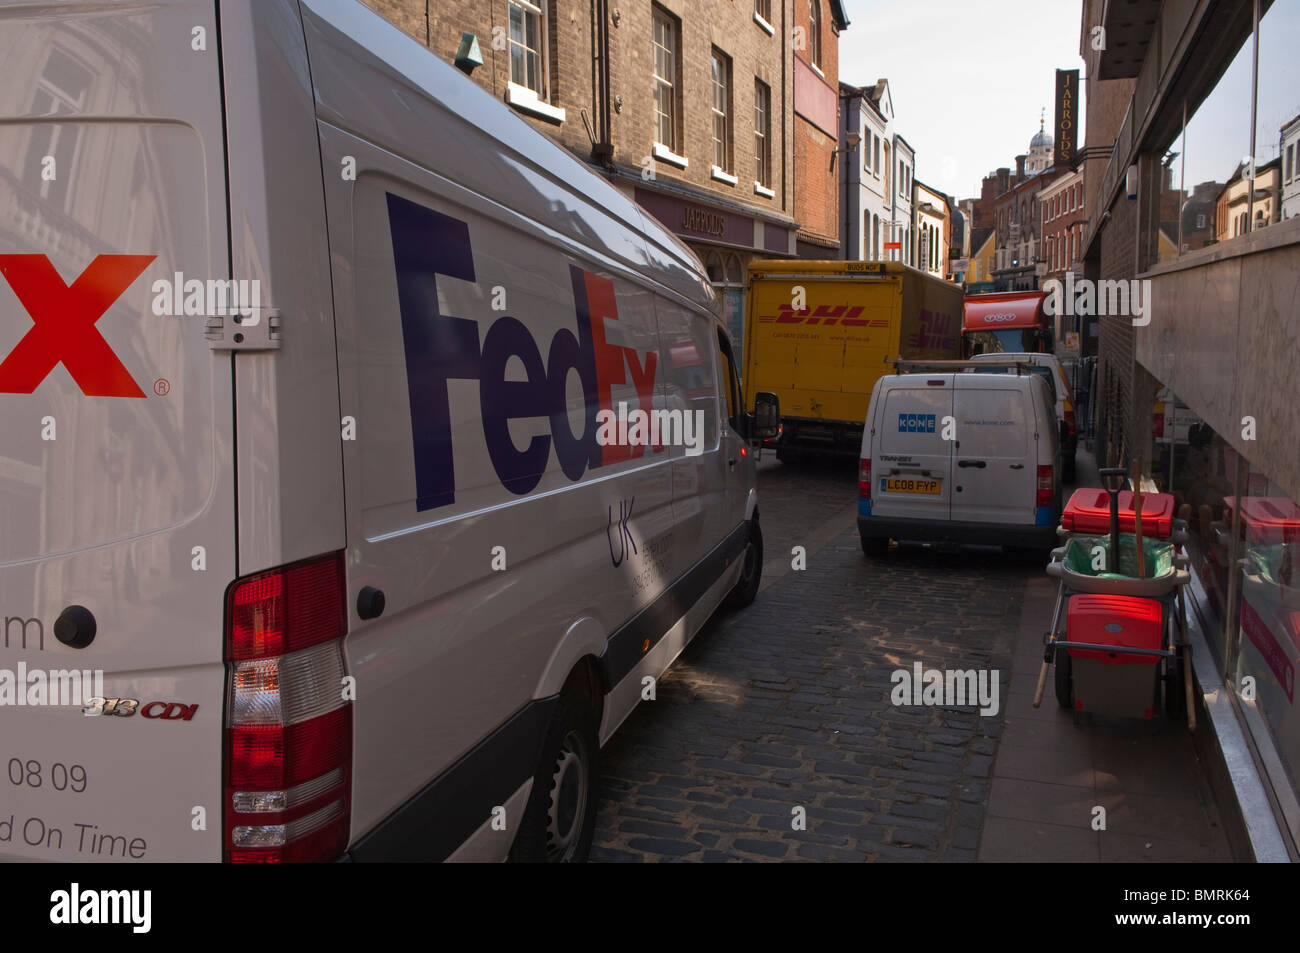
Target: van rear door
x=116, y=485
x=994, y=456
x=912, y=463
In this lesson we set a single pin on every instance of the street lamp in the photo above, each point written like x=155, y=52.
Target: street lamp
x=854, y=140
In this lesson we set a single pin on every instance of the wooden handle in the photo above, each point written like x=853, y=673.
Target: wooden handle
x=1042, y=683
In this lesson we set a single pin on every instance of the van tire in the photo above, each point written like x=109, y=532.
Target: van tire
x=1064, y=680
x=746, y=588
x=554, y=828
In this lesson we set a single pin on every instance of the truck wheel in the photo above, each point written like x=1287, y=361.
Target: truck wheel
x=786, y=455
x=560, y=818
x=746, y=588
x=875, y=545
x=1064, y=680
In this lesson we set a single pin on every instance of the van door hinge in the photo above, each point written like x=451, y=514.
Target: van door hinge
x=236, y=332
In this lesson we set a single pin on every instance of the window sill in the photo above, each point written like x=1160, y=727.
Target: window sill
x=816, y=69
x=722, y=175
x=525, y=100
x=664, y=154
x=763, y=190
x=762, y=22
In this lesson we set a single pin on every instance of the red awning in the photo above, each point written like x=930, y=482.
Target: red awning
x=1012, y=309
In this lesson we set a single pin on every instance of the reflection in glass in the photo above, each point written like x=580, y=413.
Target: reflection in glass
x=1216, y=140
x=1277, y=116
x=1172, y=200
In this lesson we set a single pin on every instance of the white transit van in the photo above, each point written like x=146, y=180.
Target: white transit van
x=956, y=457
x=1060, y=386
x=364, y=451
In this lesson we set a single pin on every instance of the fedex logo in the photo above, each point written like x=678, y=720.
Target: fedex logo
x=826, y=314
x=63, y=329
x=442, y=347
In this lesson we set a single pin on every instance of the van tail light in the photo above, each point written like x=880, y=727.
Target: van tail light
x=289, y=729
x=864, y=479
x=1069, y=420
x=1045, y=480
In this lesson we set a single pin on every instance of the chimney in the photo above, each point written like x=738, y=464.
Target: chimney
x=1004, y=183
x=1020, y=168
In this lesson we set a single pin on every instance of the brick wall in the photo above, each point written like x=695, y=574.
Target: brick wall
x=725, y=24
x=816, y=192
x=1125, y=430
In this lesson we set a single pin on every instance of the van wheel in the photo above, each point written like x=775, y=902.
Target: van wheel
x=746, y=589
x=560, y=818
x=1064, y=680
x=875, y=545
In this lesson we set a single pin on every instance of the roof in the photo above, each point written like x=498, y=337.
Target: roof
x=837, y=12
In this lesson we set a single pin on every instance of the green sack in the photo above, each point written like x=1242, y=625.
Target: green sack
x=1159, y=557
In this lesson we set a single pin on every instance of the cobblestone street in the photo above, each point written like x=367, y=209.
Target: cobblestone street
x=786, y=705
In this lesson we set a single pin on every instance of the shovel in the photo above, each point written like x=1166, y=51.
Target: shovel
x=1112, y=480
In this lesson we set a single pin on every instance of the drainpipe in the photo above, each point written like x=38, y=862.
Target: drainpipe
x=602, y=150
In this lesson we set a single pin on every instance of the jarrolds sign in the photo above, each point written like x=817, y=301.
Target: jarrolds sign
x=692, y=220
x=1067, y=117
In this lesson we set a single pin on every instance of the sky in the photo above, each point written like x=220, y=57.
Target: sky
x=969, y=78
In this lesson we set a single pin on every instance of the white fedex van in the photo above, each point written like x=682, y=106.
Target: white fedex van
x=324, y=389
x=959, y=457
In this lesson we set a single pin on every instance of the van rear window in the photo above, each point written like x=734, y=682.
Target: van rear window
x=912, y=421
x=993, y=422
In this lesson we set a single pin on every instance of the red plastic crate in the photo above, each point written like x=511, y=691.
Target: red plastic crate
x=1088, y=511
x=1125, y=621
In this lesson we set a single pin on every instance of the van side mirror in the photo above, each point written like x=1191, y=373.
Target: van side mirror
x=767, y=416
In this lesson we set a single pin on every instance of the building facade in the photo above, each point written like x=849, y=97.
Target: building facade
x=1182, y=92
x=817, y=153
x=1062, y=224
x=868, y=184
x=685, y=105
x=932, y=229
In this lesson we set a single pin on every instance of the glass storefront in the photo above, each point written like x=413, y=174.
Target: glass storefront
x=726, y=270
x=1245, y=548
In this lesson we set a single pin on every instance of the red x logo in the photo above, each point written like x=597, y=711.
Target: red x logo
x=64, y=330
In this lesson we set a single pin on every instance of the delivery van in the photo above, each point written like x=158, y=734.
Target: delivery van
x=956, y=457
x=1050, y=365
x=364, y=454
x=819, y=334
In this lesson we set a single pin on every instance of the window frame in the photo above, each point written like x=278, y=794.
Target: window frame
x=536, y=8
x=720, y=62
x=672, y=31
x=815, y=34
x=763, y=135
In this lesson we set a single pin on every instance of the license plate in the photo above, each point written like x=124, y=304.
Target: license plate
x=909, y=485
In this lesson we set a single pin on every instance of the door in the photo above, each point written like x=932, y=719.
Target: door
x=994, y=469
x=912, y=464
x=116, y=482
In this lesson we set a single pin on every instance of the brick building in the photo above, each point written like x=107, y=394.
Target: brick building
x=686, y=105
x=1062, y=223
x=816, y=126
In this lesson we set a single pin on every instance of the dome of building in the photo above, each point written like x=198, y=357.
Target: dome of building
x=1041, y=139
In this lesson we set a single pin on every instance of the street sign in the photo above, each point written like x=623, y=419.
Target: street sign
x=893, y=246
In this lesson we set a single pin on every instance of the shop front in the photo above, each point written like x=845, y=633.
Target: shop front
x=726, y=240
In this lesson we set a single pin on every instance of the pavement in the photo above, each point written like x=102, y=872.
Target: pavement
x=774, y=735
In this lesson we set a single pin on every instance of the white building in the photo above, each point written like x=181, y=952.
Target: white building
x=1291, y=168
x=876, y=182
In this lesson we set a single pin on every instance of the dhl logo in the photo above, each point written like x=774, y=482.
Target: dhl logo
x=826, y=314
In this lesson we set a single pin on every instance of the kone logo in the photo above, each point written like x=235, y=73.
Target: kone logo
x=441, y=347
x=64, y=319
x=916, y=423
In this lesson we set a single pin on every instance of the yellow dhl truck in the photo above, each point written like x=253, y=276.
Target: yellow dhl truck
x=819, y=334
